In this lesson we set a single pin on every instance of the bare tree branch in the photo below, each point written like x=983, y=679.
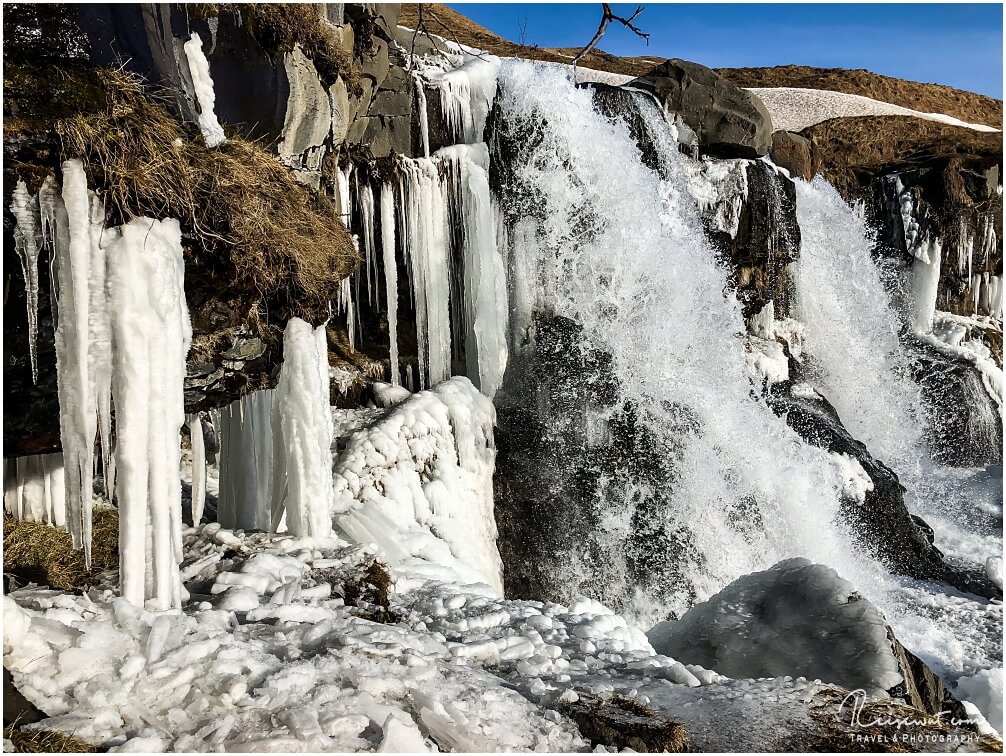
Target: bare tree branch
x=606, y=18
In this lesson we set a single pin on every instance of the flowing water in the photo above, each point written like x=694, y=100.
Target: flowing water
x=620, y=249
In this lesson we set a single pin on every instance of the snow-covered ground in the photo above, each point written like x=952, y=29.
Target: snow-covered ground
x=796, y=108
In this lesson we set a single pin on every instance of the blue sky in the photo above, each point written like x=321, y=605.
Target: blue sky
x=955, y=44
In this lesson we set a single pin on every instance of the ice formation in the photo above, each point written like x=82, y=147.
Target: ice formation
x=797, y=618
x=151, y=334
x=985, y=690
x=418, y=483
x=466, y=95
x=82, y=342
x=202, y=85
x=33, y=489
x=424, y=239
x=24, y=208
x=245, y=461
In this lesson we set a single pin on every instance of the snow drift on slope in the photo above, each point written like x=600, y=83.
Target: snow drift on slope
x=796, y=108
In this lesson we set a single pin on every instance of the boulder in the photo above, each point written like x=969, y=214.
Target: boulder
x=728, y=121
x=795, y=153
x=802, y=619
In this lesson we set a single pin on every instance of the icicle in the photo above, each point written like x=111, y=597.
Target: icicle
x=410, y=379
x=24, y=208
x=390, y=276
x=425, y=236
x=152, y=334
x=202, y=83
x=75, y=365
x=366, y=198
x=198, y=446
x=424, y=117
x=99, y=353
x=302, y=427
x=485, y=297
x=246, y=463
x=48, y=201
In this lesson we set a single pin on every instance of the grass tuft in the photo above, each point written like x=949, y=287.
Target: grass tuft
x=43, y=554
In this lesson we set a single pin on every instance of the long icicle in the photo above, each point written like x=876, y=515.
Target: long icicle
x=390, y=275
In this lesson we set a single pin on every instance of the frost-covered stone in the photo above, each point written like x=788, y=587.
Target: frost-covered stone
x=797, y=619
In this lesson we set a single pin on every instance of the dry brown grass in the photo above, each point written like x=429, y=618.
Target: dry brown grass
x=239, y=202
x=45, y=741
x=39, y=553
x=848, y=148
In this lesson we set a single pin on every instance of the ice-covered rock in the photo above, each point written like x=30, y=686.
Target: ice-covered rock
x=798, y=619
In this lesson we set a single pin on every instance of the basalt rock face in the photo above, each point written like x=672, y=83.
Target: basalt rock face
x=761, y=240
x=569, y=453
x=795, y=153
x=728, y=121
x=880, y=518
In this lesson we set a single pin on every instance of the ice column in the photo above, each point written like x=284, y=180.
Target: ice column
x=202, y=83
x=424, y=238
x=152, y=333
x=24, y=208
x=390, y=275
x=302, y=431
x=486, y=305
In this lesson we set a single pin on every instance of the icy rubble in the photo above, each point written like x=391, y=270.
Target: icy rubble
x=273, y=652
x=417, y=481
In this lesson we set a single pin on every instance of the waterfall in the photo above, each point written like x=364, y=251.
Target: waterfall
x=620, y=251
x=851, y=328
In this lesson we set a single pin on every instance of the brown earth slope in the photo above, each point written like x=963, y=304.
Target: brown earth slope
x=928, y=98
x=451, y=25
